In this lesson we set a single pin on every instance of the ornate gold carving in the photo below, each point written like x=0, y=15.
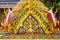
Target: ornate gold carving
x=30, y=24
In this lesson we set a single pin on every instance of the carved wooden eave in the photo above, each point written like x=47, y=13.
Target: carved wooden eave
x=41, y=5
x=19, y=5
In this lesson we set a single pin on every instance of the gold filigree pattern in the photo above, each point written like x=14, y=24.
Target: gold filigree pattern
x=30, y=18
x=30, y=24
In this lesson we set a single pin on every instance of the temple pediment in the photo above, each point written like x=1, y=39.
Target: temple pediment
x=30, y=17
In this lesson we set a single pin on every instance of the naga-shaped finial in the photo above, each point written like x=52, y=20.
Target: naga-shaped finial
x=5, y=8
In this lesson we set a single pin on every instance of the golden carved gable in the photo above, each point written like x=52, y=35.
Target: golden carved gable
x=30, y=17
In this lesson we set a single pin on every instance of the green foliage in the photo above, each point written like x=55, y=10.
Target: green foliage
x=49, y=2
x=46, y=3
x=57, y=3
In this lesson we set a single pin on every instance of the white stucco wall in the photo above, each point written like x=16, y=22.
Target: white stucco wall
x=10, y=4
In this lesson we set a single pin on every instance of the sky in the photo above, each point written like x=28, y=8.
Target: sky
x=9, y=0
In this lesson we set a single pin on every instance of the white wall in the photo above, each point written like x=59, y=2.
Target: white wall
x=10, y=4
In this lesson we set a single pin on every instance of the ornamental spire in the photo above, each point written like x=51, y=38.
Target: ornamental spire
x=30, y=1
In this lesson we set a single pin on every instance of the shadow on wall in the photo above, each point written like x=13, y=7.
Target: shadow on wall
x=1, y=15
